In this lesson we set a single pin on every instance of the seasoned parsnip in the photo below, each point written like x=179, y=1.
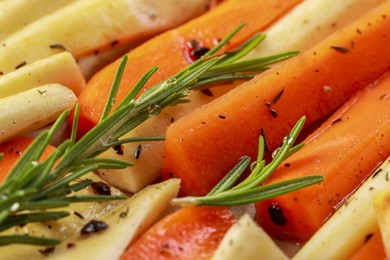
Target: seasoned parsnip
x=351, y=224
x=382, y=210
x=148, y=166
x=125, y=224
x=59, y=68
x=33, y=108
x=16, y=14
x=125, y=219
x=87, y=26
x=246, y=240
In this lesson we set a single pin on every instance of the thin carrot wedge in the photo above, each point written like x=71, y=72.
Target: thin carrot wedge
x=12, y=150
x=344, y=150
x=172, y=51
x=189, y=233
x=372, y=249
x=202, y=146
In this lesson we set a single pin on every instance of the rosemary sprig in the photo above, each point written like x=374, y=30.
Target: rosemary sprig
x=34, y=186
x=249, y=190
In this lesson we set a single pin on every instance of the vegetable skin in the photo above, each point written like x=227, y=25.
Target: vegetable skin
x=372, y=249
x=169, y=51
x=344, y=152
x=201, y=147
x=353, y=222
x=188, y=233
x=108, y=24
x=12, y=150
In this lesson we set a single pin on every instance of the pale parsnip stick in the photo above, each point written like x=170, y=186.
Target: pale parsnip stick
x=126, y=220
x=382, y=210
x=16, y=14
x=59, y=68
x=87, y=26
x=246, y=240
x=33, y=108
x=126, y=223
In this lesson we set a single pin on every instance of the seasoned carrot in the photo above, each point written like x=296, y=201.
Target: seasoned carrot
x=373, y=249
x=12, y=150
x=344, y=150
x=175, y=49
x=189, y=233
x=202, y=146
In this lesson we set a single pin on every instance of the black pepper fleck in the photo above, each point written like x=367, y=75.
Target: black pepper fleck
x=78, y=214
x=93, y=226
x=118, y=149
x=376, y=173
x=138, y=152
x=368, y=237
x=101, y=188
x=115, y=42
x=47, y=250
x=340, y=49
x=273, y=112
x=70, y=245
x=207, y=92
x=20, y=65
x=337, y=120
x=57, y=46
x=277, y=215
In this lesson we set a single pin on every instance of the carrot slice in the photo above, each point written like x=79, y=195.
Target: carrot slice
x=12, y=150
x=202, y=146
x=175, y=49
x=189, y=233
x=373, y=249
x=344, y=150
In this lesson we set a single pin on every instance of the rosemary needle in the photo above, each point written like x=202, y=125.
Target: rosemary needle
x=24, y=193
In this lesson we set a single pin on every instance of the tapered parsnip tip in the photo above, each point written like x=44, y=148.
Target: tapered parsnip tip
x=34, y=108
x=382, y=211
x=246, y=240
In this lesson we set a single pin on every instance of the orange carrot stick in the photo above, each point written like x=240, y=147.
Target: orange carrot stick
x=175, y=49
x=344, y=150
x=12, y=150
x=373, y=249
x=201, y=147
x=189, y=233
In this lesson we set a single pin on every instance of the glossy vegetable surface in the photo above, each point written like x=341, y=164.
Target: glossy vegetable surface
x=175, y=49
x=204, y=145
x=189, y=233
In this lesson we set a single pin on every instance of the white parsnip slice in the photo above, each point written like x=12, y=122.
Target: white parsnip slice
x=59, y=68
x=16, y=14
x=84, y=27
x=125, y=224
x=382, y=210
x=246, y=240
x=348, y=229
x=126, y=220
x=147, y=170
x=33, y=108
